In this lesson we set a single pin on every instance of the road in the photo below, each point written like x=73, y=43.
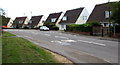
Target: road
x=79, y=49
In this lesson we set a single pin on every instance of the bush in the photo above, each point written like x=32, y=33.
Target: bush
x=79, y=27
x=94, y=24
x=54, y=28
x=82, y=27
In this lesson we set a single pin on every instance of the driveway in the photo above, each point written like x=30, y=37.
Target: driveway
x=79, y=49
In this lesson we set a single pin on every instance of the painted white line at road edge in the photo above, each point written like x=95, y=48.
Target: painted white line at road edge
x=92, y=42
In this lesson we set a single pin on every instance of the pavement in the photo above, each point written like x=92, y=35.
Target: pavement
x=77, y=48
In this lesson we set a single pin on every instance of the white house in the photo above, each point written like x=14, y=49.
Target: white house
x=10, y=22
x=20, y=22
x=75, y=16
x=35, y=21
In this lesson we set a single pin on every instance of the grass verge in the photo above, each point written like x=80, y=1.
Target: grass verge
x=19, y=50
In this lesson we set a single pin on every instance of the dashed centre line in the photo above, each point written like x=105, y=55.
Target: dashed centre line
x=92, y=42
x=61, y=37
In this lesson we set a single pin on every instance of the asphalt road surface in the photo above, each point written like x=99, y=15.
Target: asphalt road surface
x=79, y=49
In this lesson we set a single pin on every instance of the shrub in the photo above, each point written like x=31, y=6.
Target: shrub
x=54, y=28
x=79, y=27
x=94, y=24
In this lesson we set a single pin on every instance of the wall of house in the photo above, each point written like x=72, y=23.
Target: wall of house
x=80, y=19
x=41, y=22
x=59, y=19
x=25, y=23
x=10, y=23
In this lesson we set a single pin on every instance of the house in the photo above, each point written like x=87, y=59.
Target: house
x=9, y=23
x=100, y=14
x=20, y=22
x=35, y=21
x=75, y=16
x=54, y=18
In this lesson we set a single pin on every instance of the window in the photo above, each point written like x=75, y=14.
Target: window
x=10, y=22
x=64, y=18
x=107, y=14
x=20, y=22
x=53, y=19
x=84, y=17
x=30, y=21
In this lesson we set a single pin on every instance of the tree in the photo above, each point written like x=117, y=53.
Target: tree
x=2, y=12
x=3, y=19
x=115, y=16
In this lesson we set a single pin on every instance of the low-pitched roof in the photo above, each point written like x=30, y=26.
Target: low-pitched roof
x=72, y=15
x=98, y=13
x=35, y=20
x=53, y=15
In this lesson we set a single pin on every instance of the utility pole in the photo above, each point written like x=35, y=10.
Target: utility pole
x=31, y=13
x=23, y=14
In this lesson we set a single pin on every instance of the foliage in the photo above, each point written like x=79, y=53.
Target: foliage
x=54, y=28
x=2, y=12
x=94, y=24
x=82, y=27
x=2, y=15
x=51, y=25
x=115, y=16
x=5, y=20
x=79, y=27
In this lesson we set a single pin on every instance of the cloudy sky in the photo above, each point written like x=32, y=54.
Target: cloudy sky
x=18, y=8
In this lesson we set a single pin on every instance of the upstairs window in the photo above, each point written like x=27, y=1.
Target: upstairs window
x=64, y=18
x=11, y=22
x=107, y=14
x=53, y=19
x=20, y=22
x=84, y=17
x=30, y=21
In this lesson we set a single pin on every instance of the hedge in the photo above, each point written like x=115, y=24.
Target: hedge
x=82, y=27
x=79, y=27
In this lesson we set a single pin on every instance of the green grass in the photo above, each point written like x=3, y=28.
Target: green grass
x=19, y=50
x=0, y=50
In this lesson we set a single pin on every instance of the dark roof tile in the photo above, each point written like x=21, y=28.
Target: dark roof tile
x=35, y=20
x=53, y=15
x=98, y=13
x=72, y=15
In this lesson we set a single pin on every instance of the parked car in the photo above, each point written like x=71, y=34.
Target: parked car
x=44, y=28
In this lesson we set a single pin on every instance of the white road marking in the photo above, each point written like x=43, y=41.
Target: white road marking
x=47, y=34
x=61, y=43
x=68, y=40
x=61, y=37
x=92, y=42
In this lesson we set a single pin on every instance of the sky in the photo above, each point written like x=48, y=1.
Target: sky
x=19, y=8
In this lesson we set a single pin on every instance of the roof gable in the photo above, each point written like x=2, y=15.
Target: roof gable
x=20, y=19
x=72, y=15
x=53, y=15
x=35, y=20
x=98, y=13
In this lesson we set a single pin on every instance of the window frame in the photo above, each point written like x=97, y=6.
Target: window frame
x=64, y=18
